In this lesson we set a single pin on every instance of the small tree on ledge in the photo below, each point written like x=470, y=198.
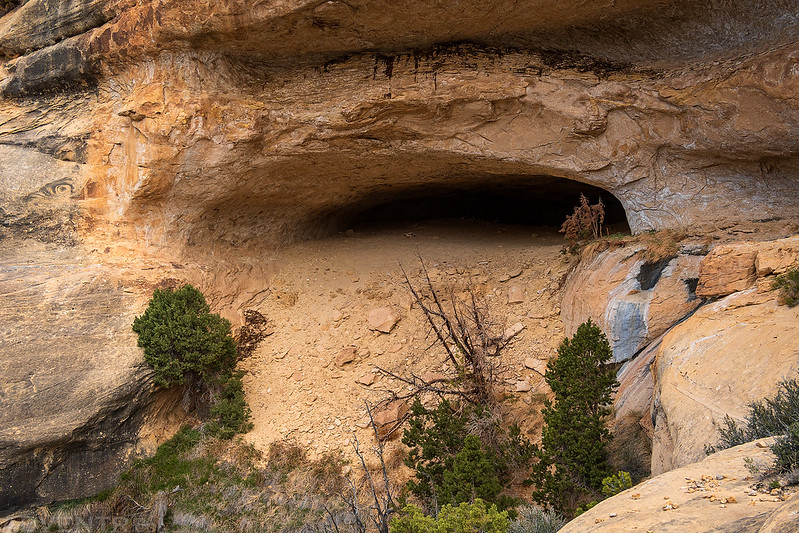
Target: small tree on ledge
x=182, y=338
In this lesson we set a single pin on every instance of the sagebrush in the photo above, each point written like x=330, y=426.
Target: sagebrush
x=788, y=285
x=770, y=417
x=536, y=520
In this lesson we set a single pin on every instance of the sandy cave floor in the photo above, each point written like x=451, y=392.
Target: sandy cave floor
x=320, y=298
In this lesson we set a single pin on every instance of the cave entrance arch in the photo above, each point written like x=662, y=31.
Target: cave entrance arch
x=541, y=201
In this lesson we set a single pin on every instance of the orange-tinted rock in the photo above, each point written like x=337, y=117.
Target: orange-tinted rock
x=777, y=257
x=382, y=319
x=727, y=269
x=692, y=498
x=345, y=355
x=726, y=355
x=388, y=418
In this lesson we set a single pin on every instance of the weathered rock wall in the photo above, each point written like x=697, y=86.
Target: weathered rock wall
x=707, y=334
x=77, y=399
x=263, y=122
x=218, y=130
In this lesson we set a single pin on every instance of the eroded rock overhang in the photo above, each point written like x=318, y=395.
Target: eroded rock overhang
x=251, y=122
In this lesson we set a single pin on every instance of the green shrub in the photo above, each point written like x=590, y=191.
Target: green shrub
x=452, y=466
x=536, y=520
x=181, y=337
x=572, y=459
x=585, y=507
x=473, y=475
x=182, y=341
x=786, y=450
x=771, y=417
x=788, y=284
x=616, y=483
x=230, y=414
x=169, y=467
x=465, y=518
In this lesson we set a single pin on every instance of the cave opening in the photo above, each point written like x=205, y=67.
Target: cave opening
x=539, y=201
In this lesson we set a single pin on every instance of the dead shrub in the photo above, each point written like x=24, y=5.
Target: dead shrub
x=255, y=329
x=285, y=456
x=328, y=472
x=586, y=221
x=461, y=326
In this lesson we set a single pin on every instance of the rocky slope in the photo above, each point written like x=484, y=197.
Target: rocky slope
x=157, y=139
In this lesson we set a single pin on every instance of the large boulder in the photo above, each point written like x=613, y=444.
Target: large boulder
x=726, y=355
x=734, y=267
x=78, y=401
x=632, y=299
x=714, y=494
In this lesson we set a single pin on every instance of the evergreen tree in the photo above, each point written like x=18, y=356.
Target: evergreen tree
x=452, y=466
x=572, y=460
x=184, y=341
x=181, y=337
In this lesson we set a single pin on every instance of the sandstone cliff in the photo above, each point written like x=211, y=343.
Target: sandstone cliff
x=190, y=139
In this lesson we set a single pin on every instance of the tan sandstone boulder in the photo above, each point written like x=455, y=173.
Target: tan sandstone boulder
x=711, y=495
x=726, y=355
x=632, y=300
x=729, y=268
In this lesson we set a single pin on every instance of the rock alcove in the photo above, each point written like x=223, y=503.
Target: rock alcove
x=526, y=201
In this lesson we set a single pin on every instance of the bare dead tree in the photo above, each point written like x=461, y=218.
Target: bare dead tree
x=383, y=505
x=466, y=333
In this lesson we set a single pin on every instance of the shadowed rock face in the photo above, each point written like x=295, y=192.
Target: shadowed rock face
x=74, y=390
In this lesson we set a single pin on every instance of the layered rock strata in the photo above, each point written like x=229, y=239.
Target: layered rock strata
x=268, y=122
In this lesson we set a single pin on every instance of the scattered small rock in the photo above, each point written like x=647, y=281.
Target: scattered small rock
x=382, y=319
x=536, y=365
x=512, y=331
x=523, y=386
x=515, y=295
x=367, y=379
x=346, y=355
x=433, y=377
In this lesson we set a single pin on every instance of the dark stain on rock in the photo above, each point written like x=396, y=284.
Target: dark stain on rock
x=650, y=273
x=388, y=65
